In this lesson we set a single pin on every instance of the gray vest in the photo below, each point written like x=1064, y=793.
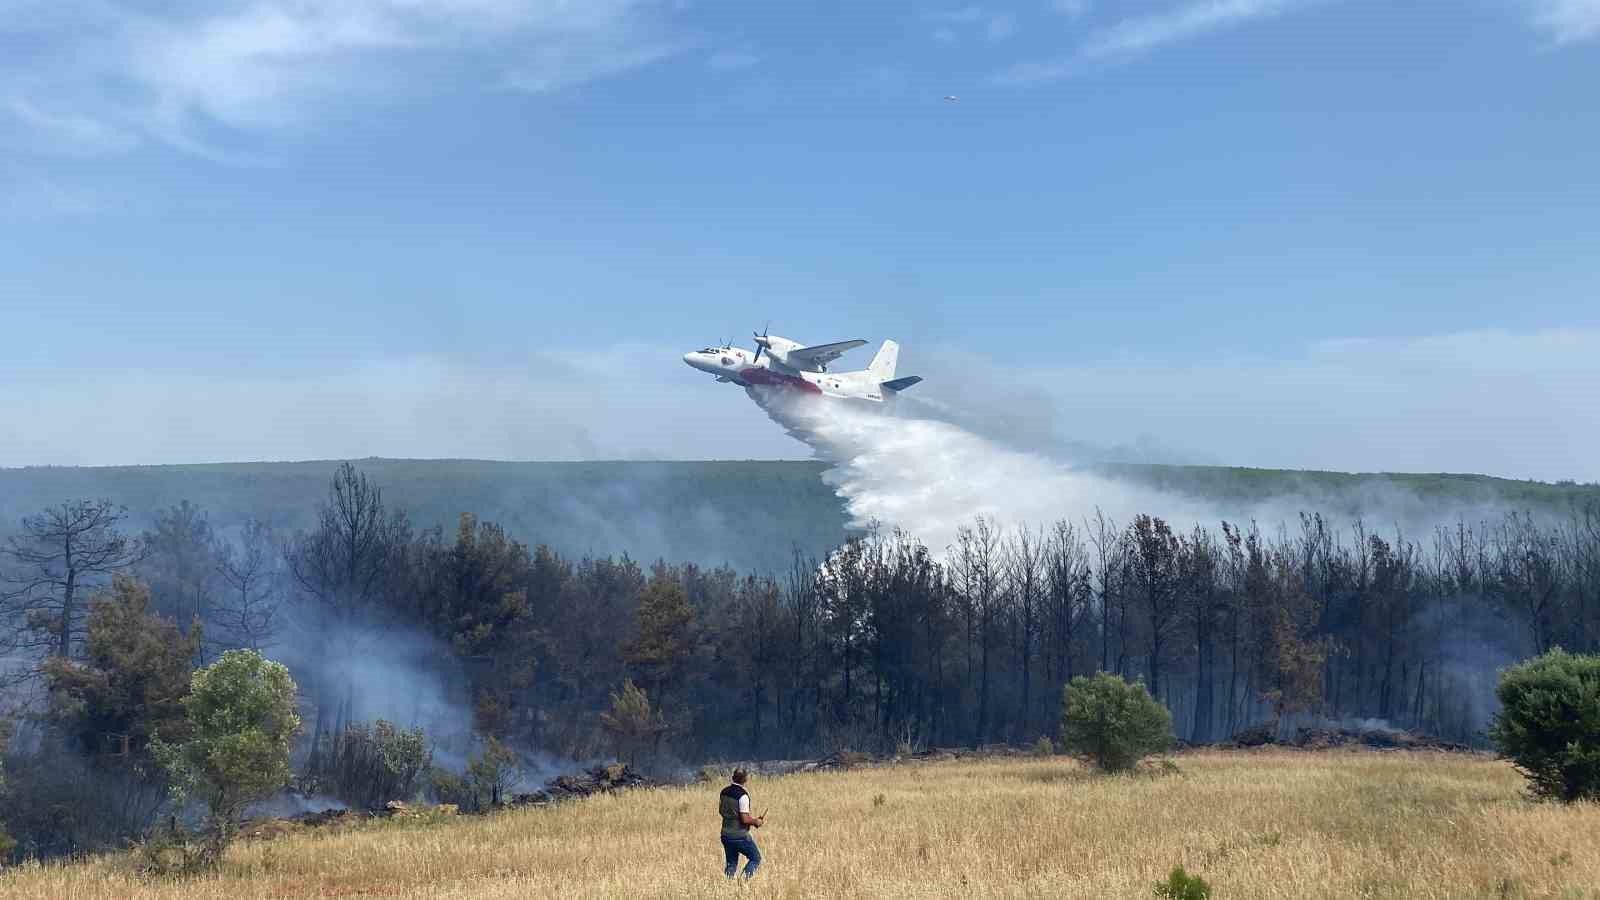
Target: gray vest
x=728, y=806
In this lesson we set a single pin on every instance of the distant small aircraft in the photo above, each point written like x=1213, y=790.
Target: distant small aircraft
x=781, y=363
x=952, y=98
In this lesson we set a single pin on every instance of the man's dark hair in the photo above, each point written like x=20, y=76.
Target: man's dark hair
x=739, y=776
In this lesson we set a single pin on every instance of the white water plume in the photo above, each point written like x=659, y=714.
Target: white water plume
x=930, y=477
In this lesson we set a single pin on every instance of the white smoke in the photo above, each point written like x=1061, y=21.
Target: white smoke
x=919, y=468
x=931, y=477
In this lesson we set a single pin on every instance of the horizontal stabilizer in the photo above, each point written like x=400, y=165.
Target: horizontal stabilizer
x=900, y=384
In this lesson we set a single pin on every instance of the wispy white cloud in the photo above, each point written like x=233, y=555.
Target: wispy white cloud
x=1567, y=21
x=1138, y=35
x=67, y=134
x=1145, y=33
x=951, y=25
x=117, y=69
x=1072, y=8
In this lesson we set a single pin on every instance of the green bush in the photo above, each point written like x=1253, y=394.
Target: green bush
x=1549, y=724
x=1044, y=746
x=1112, y=723
x=446, y=786
x=1180, y=885
x=366, y=766
x=241, y=720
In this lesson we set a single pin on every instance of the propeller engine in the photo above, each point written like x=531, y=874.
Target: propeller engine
x=762, y=342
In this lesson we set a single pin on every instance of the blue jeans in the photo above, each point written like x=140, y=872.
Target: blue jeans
x=733, y=846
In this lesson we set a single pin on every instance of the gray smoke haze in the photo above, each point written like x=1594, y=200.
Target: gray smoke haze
x=931, y=476
x=1513, y=404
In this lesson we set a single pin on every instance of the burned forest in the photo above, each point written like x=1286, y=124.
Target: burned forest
x=486, y=663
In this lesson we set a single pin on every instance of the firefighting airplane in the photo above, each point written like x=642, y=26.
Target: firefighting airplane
x=781, y=363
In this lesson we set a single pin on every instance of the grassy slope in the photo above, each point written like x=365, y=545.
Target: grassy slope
x=748, y=514
x=1343, y=491
x=1267, y=825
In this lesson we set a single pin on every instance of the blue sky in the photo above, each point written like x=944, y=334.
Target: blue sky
x=1325, y=233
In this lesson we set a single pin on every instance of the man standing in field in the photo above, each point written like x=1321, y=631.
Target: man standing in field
x=737, y=820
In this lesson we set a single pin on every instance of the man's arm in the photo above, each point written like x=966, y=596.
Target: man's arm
x=745, y=818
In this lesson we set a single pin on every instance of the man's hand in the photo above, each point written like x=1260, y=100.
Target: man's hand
x=761, y=821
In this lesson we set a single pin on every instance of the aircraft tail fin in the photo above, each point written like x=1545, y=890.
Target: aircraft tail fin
x=882, y=368
x=900, y=384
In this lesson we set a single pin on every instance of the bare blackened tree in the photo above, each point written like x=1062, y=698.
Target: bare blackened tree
x=1067, y=598
x=1530, y=575
x=1155, y=569
x=1025, y=564
x=247, y=613
x=1204, y=602
x=978, y=565
x=1110, y=556
x=343, y=571
x=346, y=565
x=62, y=553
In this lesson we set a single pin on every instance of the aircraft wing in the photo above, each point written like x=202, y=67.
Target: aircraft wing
x=822, y=354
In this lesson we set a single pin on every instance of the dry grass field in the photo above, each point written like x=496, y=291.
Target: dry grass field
x=1256, y=825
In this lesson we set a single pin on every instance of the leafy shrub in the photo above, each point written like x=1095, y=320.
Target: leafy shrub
x=366, y=766
x=1180, y=885
x=1112, y=723
x=1549, y=724
x=493, y=773
x=447, y=787
x=241, y=720
x=484, y=785
x=173, y=853
x=1044, y=746
x=56, y=804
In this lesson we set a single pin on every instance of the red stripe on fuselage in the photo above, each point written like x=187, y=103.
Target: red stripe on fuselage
x=769, y=378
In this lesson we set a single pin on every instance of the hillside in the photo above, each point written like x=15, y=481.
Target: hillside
x=748, y=514
x=1254, y=825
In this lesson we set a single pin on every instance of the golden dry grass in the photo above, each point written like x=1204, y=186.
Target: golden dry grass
x=1256, y=825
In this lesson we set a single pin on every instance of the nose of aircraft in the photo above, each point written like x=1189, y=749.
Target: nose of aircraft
x=689, y=357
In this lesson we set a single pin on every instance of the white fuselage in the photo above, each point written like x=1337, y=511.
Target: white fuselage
x=739, y=366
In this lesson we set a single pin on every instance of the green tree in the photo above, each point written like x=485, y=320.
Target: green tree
x=242, y=719
x=665, y=635
x=181, y=556
x=132, y=681
x=493, y=773
x=633, y=724
x=1549, y=724
x=486, y=615
x=1112, y=723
